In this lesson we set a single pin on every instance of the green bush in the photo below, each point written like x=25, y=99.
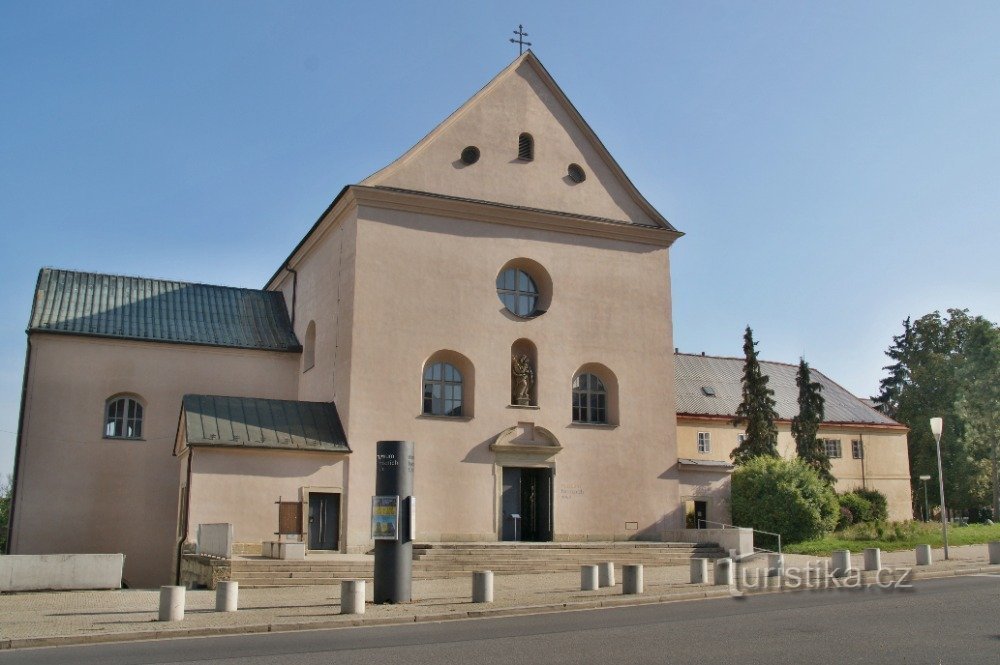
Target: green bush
x=783, y=496
x=880, y=504
x=860, y=507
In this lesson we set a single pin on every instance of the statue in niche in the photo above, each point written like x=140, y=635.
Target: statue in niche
x=522, y=378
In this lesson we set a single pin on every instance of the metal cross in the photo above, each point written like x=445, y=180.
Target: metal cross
x=521, y=34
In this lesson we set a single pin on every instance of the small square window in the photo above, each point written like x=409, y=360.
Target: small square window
x=857, y=449
x=704, y=442
x=832, y=448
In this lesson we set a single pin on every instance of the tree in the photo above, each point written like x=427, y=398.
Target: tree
x=756, y=411
x=979, y=405
x=925, y=380
x=6, y=487
x=805, y=426
x=783, y=496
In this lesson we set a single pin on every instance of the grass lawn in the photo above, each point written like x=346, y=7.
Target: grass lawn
x=896, y=536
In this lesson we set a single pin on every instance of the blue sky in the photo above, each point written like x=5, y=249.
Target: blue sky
x=834, y=165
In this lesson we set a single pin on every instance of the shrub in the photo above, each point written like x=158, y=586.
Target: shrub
x=784, y=496
x=861, y=508
x=880, y=504
x=846, y=518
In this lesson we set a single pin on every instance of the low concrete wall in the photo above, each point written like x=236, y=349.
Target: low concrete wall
x=216, y=540
x=739, y=539
x=38, y=572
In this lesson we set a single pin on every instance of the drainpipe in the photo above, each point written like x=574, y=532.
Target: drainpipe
x=864, y=454
x=186, y=517
x=17, y=449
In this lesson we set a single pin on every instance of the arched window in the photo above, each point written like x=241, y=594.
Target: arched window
x=590, y=400
x=123, y=418
x=517, y=292
x=442, y=390
x=525, y=147
x=309, y=348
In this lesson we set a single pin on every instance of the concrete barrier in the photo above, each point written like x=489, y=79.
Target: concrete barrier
x=873, y=558
x=840, y=562
x=699, y=571
x=482, y=586
x=924, y=557
x=61, y=572
x=994, y=549
x=283, y=549
x=171, y=603
x=775, y=565
x=226, y=596
x=739, y=539
x=352, y=596
x=588, y=578
x=724, y=572
x=606, y=573
x=632, y=582
x=215, y=540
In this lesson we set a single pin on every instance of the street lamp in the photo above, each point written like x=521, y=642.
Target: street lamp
x=936, y=427
x=927, y=510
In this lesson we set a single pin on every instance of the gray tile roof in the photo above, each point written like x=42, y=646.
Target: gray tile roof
x=83, y=303
x=724, y=375
x=251, y=422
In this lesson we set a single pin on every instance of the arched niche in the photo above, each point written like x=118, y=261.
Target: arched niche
x=524, y=348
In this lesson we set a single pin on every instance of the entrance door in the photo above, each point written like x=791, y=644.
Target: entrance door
x=700, y=514
x=527, y=504
x=324, y=521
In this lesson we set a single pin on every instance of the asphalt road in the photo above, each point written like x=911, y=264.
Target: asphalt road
x=944, y=621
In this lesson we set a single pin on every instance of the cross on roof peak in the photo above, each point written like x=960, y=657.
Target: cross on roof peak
x=521, y=34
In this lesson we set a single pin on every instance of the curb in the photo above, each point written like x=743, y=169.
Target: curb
x=706, y=592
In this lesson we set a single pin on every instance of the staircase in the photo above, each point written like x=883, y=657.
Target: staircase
x=448, y=560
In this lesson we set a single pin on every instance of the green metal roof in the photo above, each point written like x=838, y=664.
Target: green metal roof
x=251, y=422
x=157, y=310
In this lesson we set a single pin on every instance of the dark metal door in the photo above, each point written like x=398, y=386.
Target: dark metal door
x=324, y=521
x=700, y=514
x=511, y=528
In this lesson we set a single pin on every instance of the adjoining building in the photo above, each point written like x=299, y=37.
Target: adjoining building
x=500, y=295
x=867, y=449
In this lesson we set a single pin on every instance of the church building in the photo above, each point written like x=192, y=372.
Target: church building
x=500, y=295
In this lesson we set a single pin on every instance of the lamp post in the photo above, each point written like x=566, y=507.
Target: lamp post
x=927, y=510
x=936, y=427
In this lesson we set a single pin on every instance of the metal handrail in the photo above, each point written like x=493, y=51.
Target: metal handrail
x=730, y=526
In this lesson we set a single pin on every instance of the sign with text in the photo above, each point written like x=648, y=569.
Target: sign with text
x=385, y=517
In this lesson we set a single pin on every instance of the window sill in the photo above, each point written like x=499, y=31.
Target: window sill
x=460, y=419
x=523, y=406
x=593, y=425
x=123, y=438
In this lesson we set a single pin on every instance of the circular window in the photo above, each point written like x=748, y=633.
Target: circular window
x=517, y=292
x=575, y=173
x=470, y=155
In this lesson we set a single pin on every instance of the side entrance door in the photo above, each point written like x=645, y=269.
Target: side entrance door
x=324, y=521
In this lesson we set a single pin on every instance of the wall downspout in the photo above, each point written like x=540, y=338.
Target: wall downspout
x=17, y=449
x=186, y=517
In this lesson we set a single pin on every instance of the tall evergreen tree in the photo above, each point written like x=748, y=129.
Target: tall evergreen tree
x=805, y=426
x=756, y=412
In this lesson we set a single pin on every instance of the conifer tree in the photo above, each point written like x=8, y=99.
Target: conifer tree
x=805, y=426
x=756, y=412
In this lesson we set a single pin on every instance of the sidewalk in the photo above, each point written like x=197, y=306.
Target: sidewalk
x=50, y=618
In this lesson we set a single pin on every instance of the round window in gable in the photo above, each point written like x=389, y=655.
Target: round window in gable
x=575, y=173
x=525, y=288
x=470, y=155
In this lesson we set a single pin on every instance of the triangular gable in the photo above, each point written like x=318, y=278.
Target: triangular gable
x=523, y=98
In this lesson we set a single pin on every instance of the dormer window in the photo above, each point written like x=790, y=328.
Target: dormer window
x=708, y=391
x=525, y=147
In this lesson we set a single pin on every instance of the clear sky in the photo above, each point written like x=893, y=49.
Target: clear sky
x=835, y=166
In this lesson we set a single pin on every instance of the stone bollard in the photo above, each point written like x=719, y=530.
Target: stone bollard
x=724, y=573
x=775, y=565
x=632, y=579
x=994, y=549
x=171, y=603
x=699, y=571
x=482, y=586
x=924, y=557
x=588, y=578
x=606, y=573
x=226, y=594
x=841, y=563
x=873, y=559
x=352, y=596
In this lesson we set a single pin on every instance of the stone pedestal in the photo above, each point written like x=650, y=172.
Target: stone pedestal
x=606, y=573
x=724, y=572
x=171, y=603
x=840, y=563
x=588, y=578
x=924, y=557
x=873, y=558
x=994, y=549
x=482, y=586
x=352, y=597
x=632, y=582
x=226, y=595
x=775, y=565
x=699, y=571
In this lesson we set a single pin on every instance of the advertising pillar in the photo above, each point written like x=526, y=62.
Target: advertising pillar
x=393, y=527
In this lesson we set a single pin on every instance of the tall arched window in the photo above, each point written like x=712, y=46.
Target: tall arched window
x=123, y=418
x=309, y=348
x=590, y=400
x=525, y=147
x=442, y=390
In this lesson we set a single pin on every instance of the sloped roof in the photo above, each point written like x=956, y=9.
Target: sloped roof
x=83, y=303
x=723, y=376
x=251, y=422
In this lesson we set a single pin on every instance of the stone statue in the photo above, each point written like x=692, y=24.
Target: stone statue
x=522, y=378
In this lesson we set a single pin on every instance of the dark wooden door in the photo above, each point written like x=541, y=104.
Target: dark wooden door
x=700, y=514
x=324, y=521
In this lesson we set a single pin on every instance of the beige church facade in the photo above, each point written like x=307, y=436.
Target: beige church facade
x=500, y=295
